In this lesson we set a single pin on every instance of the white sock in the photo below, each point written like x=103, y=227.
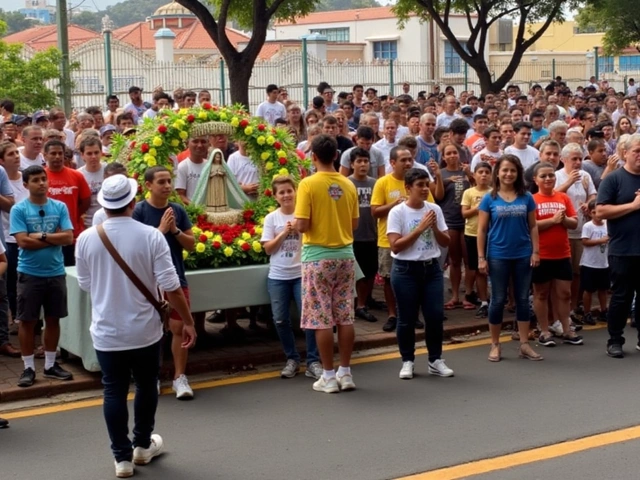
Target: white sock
x=327, y=374
x=342, y=371
x=484, y=304
x=29, y=362
x=49, y=359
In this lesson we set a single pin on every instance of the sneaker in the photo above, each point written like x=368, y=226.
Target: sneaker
x=574, y=327
x=419, y=325
x=472, y=298
x=546, y=340
x=390, y=325
x=345, y=382
x=615, y=350
x=575, y=318
x=124, y=469
x=440, y=368
x=314, y=370
x=588, y=319
x=556, y=328
x=290, y=369
x=182, y=388
x=376, y=305
x=406, y=372
x=483, y=311
x=58, y=373
x=575, y=340
x=142, y=456
x=27, y=378
x=326, y=385
x=364, y=314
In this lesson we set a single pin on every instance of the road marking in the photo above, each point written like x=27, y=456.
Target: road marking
x=223, y=382
x=525, y=457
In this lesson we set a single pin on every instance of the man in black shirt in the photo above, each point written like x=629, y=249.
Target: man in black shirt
x=330, y=127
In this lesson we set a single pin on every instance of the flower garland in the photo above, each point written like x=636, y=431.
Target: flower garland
x=273, y=151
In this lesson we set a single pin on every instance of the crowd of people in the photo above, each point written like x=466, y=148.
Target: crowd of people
x=530, y=201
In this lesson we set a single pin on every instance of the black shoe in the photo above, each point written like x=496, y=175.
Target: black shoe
x=27, y=378
x=588, y=319
x=473, y=298
x=419, y=324
x=364, y=314
x=546, y=340
x=575, y=340
x=575, y=318
x=615, y=350
x=58, y=373
x=575, y=326
x=375, y=304
x=216, y=317
x=4, y=423
x=483, y=311
x=390, y=325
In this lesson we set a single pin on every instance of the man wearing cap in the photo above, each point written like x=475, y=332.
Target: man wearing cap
x=137, y=106
x=41, y=119
x=106, y=134
x=125, y=328
x=271, y=109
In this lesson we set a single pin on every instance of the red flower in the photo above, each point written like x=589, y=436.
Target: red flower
x=252, y=231
x=245, y=247
x=216, y=245
x=244, y=123
x=202, y=238
x=144, y=148
x=139, y=188
x=277, y=145
x=261, y=127
x=227, y=238
x=162, y=129
x=206, y=106
x=283, y=161
x=191, y=118
x=136, y=175
x=267, y=193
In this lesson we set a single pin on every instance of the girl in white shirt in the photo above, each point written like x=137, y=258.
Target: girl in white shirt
x=416, y=230
x=282, y=242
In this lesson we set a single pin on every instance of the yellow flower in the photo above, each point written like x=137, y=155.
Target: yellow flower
x=264, y=156
x=217, y=238
x=169, y=166
x=223, y=116
x=281, y=154
x=175, y=142
x=257, y=247
x=208, y=234
x=271, y=209
x=275, y=176
x=147, y=195
x=228, y=251
x=153, y=152
x=200, y=247
x=268, y=166
x=240, y=242
x=147, y=158
x=176, y=125
x=235, y=122
x=184, y=135
x=261, y=222
x=246, y=235
x=248, y=130
x=202, y=115
x=183, y=111
x=261, y=140
x=196, y=230
x=185, y=254
x=258, y=230
x=283, y=171
x=271, y=140
x=157, y=141
x=152, y=162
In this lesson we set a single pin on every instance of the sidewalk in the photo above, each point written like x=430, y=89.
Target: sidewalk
x=259, y=347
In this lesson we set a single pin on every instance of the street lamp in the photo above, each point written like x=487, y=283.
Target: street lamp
x=107, y=28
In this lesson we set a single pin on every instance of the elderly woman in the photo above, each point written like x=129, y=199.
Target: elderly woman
x=551, y=114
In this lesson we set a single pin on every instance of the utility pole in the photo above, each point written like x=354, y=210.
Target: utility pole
x=63, y=45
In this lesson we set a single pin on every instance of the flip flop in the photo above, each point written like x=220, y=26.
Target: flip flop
x=468, y=305
x=452, y=305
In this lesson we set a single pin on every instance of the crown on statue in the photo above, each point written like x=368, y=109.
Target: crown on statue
x=210, y=128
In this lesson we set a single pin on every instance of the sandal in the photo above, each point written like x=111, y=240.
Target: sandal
x=452, y=304
x=527, y=352
x=466, y=305
x=495, y=354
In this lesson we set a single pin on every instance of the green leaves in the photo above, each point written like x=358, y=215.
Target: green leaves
x=616, y=19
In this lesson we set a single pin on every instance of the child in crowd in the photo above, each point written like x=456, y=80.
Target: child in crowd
x=594, y=264
x=281, y=241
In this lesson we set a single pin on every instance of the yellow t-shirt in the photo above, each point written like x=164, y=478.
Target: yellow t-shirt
x=471, y=197
x=387, y=190
x=330, y=200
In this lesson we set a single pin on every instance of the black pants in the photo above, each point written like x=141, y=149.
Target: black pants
x=625, y=281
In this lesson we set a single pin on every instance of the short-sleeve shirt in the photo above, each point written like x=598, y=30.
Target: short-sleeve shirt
x=472, y=198
x=508, y=235
x=188, y=176
x=528, y=156
x=619, y=188
x=376, y=159
x=69, y=186
x=271, y=111
x=94, y=180
x=594, y=170
x=285, y=263
x=578, y=193
x=150, y=215
x=26, y=217
x=554, y=241
x=455, y=183
x=366, y=231
x=403, y=220
x=427, y=152
x=330, y=200
x=595, y=256
x=6, y=190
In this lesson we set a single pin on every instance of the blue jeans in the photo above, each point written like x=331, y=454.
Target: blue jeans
x=282, y=293
x=418, y=285
x=500, y=272
x=117, y=368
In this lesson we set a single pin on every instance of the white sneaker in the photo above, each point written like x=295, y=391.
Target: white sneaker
x=124, y=469
x=182, y=388
x=440, y=368
x=142, y=456
x=159, y=388
x=346, y=382
x=556, y=328
x=407, y=370
x=329, y=385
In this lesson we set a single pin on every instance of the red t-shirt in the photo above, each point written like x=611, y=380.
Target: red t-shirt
x=184, y=155
x=554, y=241
x=69, y=186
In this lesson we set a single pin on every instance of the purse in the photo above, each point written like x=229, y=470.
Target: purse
x=163, y=307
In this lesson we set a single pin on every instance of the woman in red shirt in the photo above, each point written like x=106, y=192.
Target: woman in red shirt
x=555, y=215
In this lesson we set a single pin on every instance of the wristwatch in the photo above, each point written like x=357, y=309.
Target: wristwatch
x=43, y=236
x=177, y=232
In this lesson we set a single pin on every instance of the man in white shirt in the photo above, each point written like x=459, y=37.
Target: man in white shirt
x=245, y=171
x=190, y=169
x=59, y=121
x=364, y=139
x=271, y=109
x=386, y=143
x=449, y=114
x=491, y=152
x=93, y=172
x=521, y=148
x=632, y=88
x=31, y=153
x=125, y=327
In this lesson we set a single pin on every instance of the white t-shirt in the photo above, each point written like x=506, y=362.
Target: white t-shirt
x=28, y=162
x=578, y=193
x=528, y=156
x=596, y=255
x=243, y=168
x=70, y=138
x=271, y=111
x=477, y=157
x=19, y=194
x=444, y=120
x=99, y=217
x=403, y=220
x=632, y=90
x=284, y=264
x=94, y=179
x=385, y=148
x=188, y=176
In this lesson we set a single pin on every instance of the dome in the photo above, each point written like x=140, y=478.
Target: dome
x=172, y=9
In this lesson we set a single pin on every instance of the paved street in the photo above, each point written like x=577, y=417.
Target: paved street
x=275, y=429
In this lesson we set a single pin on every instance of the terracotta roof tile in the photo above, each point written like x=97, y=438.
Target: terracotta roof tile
x=268, y=50
x=43, y=37
x=337, y=16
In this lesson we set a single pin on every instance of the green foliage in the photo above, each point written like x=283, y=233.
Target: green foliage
x=130, y=11
x=329, y=5
x=615, y=18
x=90, y=20
x=242, y=11
x=15, y=22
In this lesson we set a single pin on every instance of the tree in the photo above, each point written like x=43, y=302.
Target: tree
x=129, y=11
x=255, y=15
x=329, y=5
x=615, y=18
x=480, y=16
x=16, y=22
x=90, y=20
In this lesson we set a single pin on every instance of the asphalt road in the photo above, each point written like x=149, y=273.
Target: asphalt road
x=277, y=429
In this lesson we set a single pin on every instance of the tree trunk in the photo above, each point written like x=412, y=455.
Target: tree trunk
x=487, y=84
x=484, y=76
x=239, y=75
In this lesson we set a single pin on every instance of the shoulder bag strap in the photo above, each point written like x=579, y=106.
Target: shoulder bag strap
x=127, y=270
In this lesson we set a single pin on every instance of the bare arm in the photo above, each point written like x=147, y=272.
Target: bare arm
x=569, y=223
x=470, y=212
x=186, y=239
x=182, y=193
x=533, y=231
x=382, y=211
x=609, y=212
x=594, y=242
x=439, y=193
x=303, y=224
x=381, y=171
x=32, y=241
x=6, y=202
x=344, y=171
x=272, y=246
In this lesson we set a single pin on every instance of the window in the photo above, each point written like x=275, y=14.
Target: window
x=605, y=64
x=586, y=29
x=385, y=50
x=333, y=34
x=452, y=61
x=630, y=62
